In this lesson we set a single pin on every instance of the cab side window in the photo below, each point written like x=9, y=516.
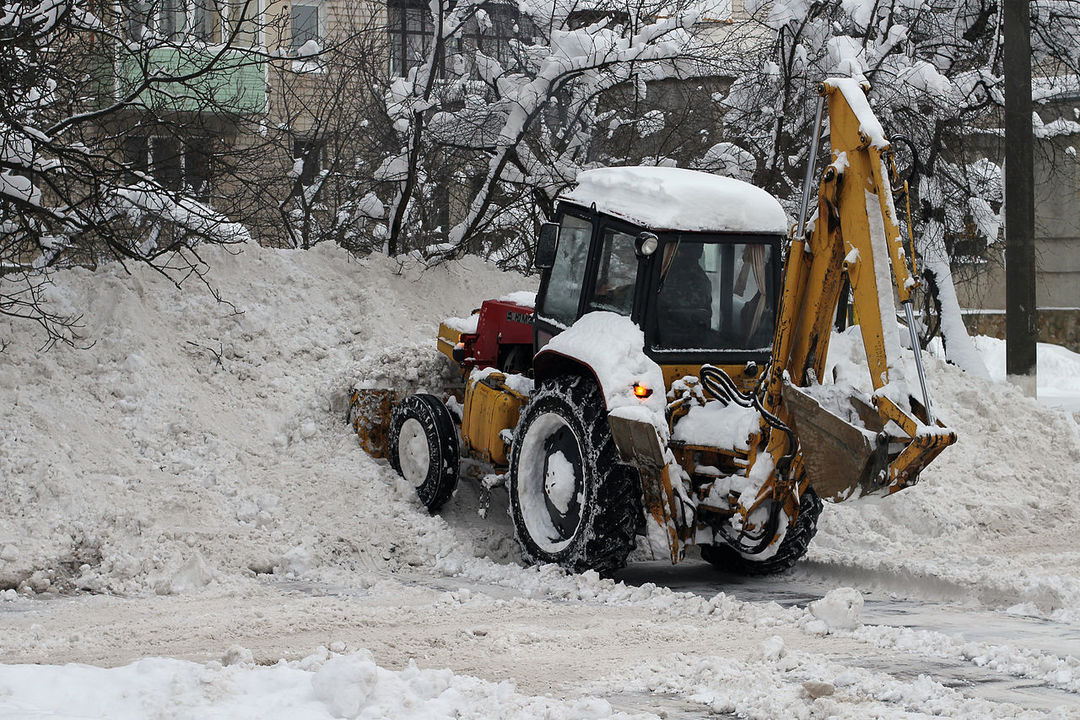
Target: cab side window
x=616, y=274
x=560, y=303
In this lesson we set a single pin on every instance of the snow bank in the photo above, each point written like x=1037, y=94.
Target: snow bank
x=200, y=444
x=1058, y=371
x=991, y=518
x=322, y=685
x=199, y=447
x=194, y=444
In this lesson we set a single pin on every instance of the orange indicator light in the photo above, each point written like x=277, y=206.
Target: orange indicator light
x=641, y=391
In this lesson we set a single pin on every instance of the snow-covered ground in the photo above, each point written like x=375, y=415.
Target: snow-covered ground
x=189, y=529
x=1058, y=379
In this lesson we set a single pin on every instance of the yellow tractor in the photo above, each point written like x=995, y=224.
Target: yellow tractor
x=668, y=373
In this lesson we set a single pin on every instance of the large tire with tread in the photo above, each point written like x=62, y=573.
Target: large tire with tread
x=424, y=448
x=792, y=547
x=572, y=503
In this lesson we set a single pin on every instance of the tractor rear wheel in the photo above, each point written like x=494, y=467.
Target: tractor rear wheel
x=424, y=448
x=572, y=503
x=794, y=545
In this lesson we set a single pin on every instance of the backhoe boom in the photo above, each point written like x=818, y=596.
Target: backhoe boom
x=855, y=236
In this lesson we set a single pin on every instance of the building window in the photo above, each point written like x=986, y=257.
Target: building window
x=305, y=24
x=136, y=155
x=138, y=19
x=166, y=162
x=410, y=35
x=198, y=19
x=204, y=21
x=197, y=172
x=171, y=18
x=175, y=165
x=241, y=22
x=493, y=28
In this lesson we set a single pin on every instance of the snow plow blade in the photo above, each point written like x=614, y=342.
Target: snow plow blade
x=843, y=459
x=369, y=415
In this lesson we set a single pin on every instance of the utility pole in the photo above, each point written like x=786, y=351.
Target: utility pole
x=1021, y=312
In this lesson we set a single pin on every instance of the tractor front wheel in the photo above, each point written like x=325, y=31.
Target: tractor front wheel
x=572, y=503
x=424, y=448
x=792, y=547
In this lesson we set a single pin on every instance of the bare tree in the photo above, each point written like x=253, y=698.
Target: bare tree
x=118, y=138
x=936, y=76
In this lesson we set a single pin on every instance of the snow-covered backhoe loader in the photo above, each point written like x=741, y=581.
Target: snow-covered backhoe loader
x=669, y=371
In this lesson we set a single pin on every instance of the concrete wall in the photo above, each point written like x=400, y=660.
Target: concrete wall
x=1060, y=327
x=1057, y=249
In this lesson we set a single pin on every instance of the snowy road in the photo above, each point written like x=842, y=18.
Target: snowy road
x=577, y=639
x=902, y=610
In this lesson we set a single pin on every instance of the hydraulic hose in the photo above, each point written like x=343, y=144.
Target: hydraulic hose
x=717, y=383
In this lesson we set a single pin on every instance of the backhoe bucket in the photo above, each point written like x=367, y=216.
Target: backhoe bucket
x=842, y=459
x=369, y=414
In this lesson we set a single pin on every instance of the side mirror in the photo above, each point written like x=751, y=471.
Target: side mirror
x=546, y=245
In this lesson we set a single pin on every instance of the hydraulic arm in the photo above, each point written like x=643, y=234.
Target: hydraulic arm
x=882, y=446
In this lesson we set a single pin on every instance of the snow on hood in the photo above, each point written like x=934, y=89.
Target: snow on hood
x=677, y=199
x=614, y=347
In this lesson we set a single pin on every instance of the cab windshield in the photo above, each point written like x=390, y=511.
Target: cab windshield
x=715, y=296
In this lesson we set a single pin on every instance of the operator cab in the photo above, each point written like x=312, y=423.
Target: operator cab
x=692, y=258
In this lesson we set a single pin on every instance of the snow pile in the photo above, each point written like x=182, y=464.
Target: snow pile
x=1058, y=371
x=200, y=445
x=992, y=519
x=203, y=444
x=322, y=685
x=198, y=450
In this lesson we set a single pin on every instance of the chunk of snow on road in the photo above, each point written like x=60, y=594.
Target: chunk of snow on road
x=839, y=609
x=194, y=575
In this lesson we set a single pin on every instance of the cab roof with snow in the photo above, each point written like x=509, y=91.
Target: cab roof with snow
x=680, y=200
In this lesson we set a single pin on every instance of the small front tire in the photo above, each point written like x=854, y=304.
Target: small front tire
x=424, y=448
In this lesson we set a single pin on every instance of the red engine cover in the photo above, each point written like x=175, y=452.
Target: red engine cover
x=501, y=323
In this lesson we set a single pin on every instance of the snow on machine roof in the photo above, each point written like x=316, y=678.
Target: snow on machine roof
x=666, y=198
